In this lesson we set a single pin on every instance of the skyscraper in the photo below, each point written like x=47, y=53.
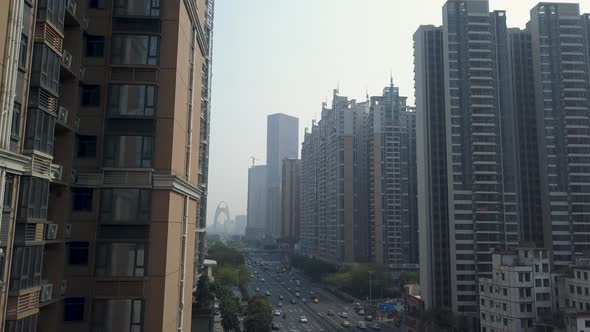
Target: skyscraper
x=104, y=143
x=257, y=189
x=333, y=226
x=481, y=163
x=291, y=200
x=391, y=160
x=433, y=217
x=559, y=38
x=282, y=142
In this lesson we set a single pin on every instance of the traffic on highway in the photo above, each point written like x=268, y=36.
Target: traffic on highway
x=300, y=305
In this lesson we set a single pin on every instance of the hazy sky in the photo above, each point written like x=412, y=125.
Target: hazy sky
x=286, y=56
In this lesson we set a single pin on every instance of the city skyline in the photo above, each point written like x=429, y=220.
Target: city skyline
x=248, y=88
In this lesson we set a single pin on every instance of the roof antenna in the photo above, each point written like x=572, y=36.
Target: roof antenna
x=390, y=76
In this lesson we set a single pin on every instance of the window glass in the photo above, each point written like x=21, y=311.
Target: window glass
x=73, y=309
x=78, y=253
x=126, y=206
x=90, y=96
x=96, y=4
x=22, y=57
x=120, y=259
x=135, y=49
x=117, y=315
x=39, y=133
x=27, y=263
x=82, y=199
x=137, y=7
x=33, y=198
x=15, y=126
x=132, y=100
x=86, y=146
x=128, y=151
x=94, y=46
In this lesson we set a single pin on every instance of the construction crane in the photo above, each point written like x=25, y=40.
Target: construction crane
x=253, y=160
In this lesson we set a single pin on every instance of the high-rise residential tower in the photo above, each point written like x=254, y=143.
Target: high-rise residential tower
x=256, y=216
x=391, y=166
x=104, y=139
x=433, y=217
x=291, y=200
x=282, y=142
x=333, y=204
x=481, y=154
x=560, y=67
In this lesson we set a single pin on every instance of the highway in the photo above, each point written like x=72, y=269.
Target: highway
x=316, y=313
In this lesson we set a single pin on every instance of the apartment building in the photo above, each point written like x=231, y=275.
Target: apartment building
x=332, y=225
x=291, y=201
x=282, y=142
x=391, y=160
x=573, y=295
x=518, y=296
x=431, y=150
x=104, y=172
x=256, y=216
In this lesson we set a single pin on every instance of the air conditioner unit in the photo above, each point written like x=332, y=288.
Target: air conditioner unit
x=62, y=115
x=68, y=231
x=64, y=287
x=71, y=6
x=51, y=232
x=66, y=59
x=46, y=292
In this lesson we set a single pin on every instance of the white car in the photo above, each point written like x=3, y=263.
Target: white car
x=277, y=312
x=343, y=315
x=303, y=319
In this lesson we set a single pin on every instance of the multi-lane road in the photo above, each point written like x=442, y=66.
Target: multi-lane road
x=319, y=315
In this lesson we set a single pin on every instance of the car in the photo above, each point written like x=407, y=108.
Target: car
x=303, y=319
x=257, y=289
x=277, y=312
x=294, y=330
x=303, y=300
x=345, y=323
x=297, y=294
x=368, y=318
x=293, y=301
x=281, y=297
x=280, y=304
x=289, y=289
x=331, y=313
x=262, y=279
x=376, y=327
x=316, y=300
x=361, y=325
x=275, y=326
x=357, y=306
x=343, y=314
x=311, y=292
x=361, y=312
x=251, y=276
x=267, y=293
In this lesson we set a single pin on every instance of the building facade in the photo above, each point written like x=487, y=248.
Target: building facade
x=291, y=200
x=257, y=189
x=332, y=225
x=282, y=142
x=431, y=149
x=391, y=160
x=106, y=172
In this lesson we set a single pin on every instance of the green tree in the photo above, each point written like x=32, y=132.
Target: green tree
x=229, y=306
x=258, y=316
x=204, y=296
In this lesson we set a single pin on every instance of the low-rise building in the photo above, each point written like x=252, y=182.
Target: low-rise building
x=573, y=296
x=518, y=295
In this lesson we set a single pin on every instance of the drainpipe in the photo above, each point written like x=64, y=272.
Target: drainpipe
x=184, y=233
x=10, y=73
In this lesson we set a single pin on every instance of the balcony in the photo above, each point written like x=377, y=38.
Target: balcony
x=23, y=303
x=118, y=177
x=47, y=34
x=27, y=233
x=41, y=165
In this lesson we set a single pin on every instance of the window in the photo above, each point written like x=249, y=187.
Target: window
x=78, y=253
x=27, y=324
x=39, y=133
x=82, y=199
x=128, y=151
x=86, y=146
x=135, y=49
x=117, y=315
x=96, y=4
x=125, y=206
x=22, y=57
x=33, y=198
x=132, y=100
x=120, y=259
x=27, y=263
x=137, y=7
x=90, y=96
x=15, y=125
x=73, y=309
x=46, y=66
x=94, y=46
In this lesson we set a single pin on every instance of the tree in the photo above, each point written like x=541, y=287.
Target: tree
x=204, y=296
x=229, y=306
x=258, y=316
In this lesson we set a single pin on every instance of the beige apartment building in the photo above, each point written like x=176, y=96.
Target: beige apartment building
x=104, y=127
